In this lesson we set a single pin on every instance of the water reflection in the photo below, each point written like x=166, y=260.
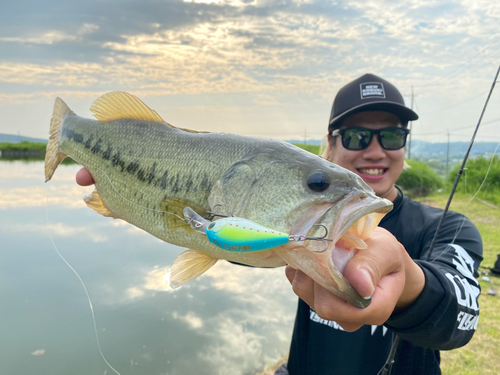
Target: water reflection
x=232, y=320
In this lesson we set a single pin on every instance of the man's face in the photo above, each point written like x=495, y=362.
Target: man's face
x=379, y=168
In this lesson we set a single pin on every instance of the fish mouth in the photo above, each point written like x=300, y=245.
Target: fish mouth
x=347, y=227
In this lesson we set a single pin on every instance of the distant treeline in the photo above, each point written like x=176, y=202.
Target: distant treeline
x=25, y=150
x=22, y=150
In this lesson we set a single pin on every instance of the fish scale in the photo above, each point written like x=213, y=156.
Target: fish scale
x=147, y=171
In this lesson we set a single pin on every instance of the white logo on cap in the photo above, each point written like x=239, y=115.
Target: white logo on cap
x=372, y=90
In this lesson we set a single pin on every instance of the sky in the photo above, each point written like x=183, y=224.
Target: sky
x=268, y=68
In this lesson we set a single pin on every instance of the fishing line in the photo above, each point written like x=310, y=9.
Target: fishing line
x=460, y=171
x=387, y=368
x=81, y=282
x=475, y=195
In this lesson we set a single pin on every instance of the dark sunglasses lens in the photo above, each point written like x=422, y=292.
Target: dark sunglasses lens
x=356, y=139
x=393, y=139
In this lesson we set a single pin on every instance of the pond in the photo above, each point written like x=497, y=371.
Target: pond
x=232, y=320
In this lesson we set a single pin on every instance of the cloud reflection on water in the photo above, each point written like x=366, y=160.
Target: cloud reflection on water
x=231, y=320
x=37, y=196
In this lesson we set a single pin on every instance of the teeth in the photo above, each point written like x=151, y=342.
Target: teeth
x=360, y=231
x=350, y=240
x=364, y=227
x=373, y=172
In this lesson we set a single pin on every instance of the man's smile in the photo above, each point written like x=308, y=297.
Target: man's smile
x=372, y=171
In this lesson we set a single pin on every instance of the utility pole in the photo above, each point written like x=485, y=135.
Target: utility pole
x=410, y=125
x=448, y=152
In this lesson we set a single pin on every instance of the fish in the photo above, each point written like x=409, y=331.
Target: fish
x=148, y=172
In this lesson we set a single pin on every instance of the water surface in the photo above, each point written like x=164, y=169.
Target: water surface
x=232, y=320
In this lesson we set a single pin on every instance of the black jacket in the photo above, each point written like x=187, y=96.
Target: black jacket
x=443, y=317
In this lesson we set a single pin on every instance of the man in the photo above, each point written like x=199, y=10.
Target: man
x=431, y=304
x=435, y=306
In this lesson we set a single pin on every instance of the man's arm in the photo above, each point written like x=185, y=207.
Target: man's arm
x=446, y=313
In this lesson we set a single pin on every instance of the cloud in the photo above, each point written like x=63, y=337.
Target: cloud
x=191, y=319
x=233, y=348
x=38, y=196
x=266, y=49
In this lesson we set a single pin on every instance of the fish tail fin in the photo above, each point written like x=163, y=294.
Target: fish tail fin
x=53, y=156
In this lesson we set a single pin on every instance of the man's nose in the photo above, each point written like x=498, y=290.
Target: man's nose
x=374, y=149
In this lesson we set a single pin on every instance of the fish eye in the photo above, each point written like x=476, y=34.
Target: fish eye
x=318, y=181
x=211, y=225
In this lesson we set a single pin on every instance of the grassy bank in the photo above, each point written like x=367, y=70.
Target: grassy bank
x=22, y=150
x=481, y=355
x=27, y=151
x=311, y=148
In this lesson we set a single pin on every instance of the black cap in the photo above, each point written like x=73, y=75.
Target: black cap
x=368, y=93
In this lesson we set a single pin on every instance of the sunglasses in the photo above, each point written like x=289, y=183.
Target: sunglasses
x=360, y=138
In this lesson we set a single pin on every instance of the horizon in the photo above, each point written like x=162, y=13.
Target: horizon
x=298, y=141
x=263, y=68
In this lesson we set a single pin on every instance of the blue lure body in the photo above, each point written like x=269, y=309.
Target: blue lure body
x=236, y=234
x=243, y=236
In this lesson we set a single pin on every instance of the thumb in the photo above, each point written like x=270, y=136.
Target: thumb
x=382, y=257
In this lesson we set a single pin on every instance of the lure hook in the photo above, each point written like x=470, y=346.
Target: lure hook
x=216, y=214
x=305, y=238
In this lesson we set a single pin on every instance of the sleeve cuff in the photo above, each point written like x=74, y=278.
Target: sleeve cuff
x=424, y=306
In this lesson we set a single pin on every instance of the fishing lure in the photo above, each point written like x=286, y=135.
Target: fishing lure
x=241, y=235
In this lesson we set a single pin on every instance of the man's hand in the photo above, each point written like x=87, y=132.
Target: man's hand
x=84, y=178
x=384, y=271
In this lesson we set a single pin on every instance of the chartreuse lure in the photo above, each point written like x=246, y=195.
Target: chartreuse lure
x=241, y=235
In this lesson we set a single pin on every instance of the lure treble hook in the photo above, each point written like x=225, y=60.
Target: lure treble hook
x=216, y=214
x=305, y=238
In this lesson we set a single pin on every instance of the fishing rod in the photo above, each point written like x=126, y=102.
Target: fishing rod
x=462, y=167
x=387, y=368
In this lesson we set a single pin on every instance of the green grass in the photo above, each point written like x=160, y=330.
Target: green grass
x=482, y=354
x=36, y=151
x=28, y=150
x=311, y=148
x=23, y=146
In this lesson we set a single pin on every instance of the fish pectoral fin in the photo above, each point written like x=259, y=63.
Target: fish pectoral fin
x=94, y=201
x=175, y=209
x=188, y=266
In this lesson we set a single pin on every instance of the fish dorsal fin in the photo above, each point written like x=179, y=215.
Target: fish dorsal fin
x=188, y=266
x=118, y=105
x=94, y=201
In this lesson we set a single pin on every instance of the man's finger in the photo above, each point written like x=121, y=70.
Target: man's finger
x=302, y=285
x=383, y=257
x=84, y=178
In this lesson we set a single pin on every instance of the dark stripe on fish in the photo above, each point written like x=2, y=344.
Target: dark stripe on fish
x=97, y=147
x=117, y=161
x=106, y=155
x=175, y=184
x=72, y=135
x=88, y=142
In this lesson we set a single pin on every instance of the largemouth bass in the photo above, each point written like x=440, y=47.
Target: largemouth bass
x=147, y=172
